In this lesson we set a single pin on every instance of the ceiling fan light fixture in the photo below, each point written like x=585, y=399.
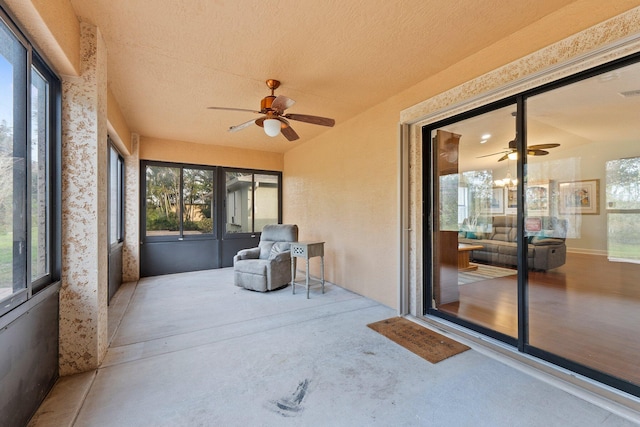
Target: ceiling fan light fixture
x=272, y=127
x=513, y=155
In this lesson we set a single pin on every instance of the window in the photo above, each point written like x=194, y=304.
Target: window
x=197, y=201
x=28, y=137
x=116, y=196
x=178, y=199
x=252, y=201
x=623, y=209
x=39, y=172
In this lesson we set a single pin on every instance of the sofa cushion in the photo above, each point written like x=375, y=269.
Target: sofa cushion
x=501, y=234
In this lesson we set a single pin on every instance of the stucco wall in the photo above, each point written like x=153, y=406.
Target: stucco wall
x=343, y=186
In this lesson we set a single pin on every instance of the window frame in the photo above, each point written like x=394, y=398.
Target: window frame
x=143, y=203
x=521, y=342
x=53, y=134
x=223, y=219
x=120, y=195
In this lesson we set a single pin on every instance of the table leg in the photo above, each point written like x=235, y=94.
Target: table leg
x=307, y=278
x=293, y=275
x=322, y=266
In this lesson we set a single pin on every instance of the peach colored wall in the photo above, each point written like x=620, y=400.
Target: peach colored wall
x=205, y=154
x=54, y=28
x=342, y=187
x=118, y=128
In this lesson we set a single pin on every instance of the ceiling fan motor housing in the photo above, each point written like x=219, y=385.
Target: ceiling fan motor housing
x=266, y=102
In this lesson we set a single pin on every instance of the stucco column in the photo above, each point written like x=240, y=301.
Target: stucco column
x=83, y=296
x=131, y=249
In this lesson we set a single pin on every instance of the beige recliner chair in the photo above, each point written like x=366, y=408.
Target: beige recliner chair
x=268, y=266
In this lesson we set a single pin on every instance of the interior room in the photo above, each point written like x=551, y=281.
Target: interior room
x=144, y=139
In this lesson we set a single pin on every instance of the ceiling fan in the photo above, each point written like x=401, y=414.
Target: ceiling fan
x=532, y=150
x=274, y=120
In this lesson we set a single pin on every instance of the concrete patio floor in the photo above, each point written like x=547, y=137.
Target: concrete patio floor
x=192, y=349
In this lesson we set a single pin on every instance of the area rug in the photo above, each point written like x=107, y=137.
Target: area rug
x=484, y=272
x=426, y=343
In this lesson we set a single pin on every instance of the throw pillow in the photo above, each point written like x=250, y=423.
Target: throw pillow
x=278, y=248
x=265, y=249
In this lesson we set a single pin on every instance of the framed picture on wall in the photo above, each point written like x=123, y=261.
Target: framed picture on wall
x=510, y=200
x=495, y=204
x=537, y=199
x=580, y=197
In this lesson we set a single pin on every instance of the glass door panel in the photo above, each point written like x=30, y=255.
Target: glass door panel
x=474, y=231
x=266, y=200
x=582, y=222
x=239, y=191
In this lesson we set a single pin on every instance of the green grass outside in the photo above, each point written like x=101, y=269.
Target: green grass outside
x=624, y=251
x=6, y=260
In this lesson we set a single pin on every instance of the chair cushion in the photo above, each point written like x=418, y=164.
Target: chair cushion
x=253, y=266
x=279, y=233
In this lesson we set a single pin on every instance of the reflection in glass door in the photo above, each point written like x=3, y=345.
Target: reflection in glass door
x=583, y=205
x=474, y=236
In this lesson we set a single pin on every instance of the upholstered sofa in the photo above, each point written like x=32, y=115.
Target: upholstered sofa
x=498, y=237
x=268, y=266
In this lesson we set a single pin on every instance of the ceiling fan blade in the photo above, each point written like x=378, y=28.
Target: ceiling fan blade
x=289, y=133
x=281, y=103
x=505, y=157
x=542, y=146
x=241, y=126
x=322, y=121
x=493, y=154
x=537, y=152
x=233, y=109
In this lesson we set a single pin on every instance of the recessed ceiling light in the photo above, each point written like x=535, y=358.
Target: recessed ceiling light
x=486, y=136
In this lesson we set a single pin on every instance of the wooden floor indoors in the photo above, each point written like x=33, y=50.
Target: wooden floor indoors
x=587, y=311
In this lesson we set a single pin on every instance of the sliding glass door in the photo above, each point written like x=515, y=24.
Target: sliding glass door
x=533, y=234
x=587, y=310
x=198, y=217
x=474, y=230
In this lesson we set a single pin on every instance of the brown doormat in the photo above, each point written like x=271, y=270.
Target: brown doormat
x=422, y=341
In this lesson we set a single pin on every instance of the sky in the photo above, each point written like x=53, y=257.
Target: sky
x=6, y=91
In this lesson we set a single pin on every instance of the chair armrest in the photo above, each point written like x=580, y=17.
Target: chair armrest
x=252, y=253
x=547, y=241
x=282, y=256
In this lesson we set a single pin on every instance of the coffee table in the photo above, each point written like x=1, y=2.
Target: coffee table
x=464, y=250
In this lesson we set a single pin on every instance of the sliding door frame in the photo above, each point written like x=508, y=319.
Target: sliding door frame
x=428, y=167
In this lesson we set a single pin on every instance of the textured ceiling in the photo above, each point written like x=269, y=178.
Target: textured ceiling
x=168, y=60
